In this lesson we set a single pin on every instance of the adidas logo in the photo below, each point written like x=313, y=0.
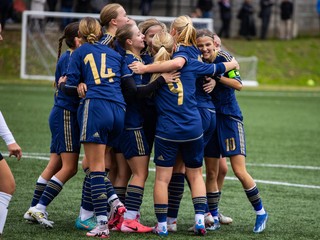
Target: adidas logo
x=96, y=135
x=102, y=196
x=160, y=158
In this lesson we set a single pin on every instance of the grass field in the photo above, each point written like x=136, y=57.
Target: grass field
x=283, y=137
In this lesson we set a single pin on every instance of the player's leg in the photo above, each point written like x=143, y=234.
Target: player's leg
x=175, y=191
x=139, y=167
x=213, y=193
x=165, y=154
x=160, y=195
x=251, y=190
x=212, y=154
x=7, y=188
x=86, y=219
x=54, y=165
x=122, y=177
x=233, y=144
x=223, y=169
x=95, y=154
x=192, y=154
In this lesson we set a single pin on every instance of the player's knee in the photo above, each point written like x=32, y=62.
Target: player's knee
x=10, y=187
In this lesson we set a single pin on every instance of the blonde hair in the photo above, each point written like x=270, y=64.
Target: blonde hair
x=148, y=23
x=90, y=29
x=162, y=44
x=108, y=13
x=185, y=30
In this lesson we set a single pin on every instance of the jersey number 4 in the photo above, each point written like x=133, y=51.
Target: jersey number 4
x=103, y=74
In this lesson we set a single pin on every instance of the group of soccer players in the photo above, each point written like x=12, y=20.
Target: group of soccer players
x=122, y=88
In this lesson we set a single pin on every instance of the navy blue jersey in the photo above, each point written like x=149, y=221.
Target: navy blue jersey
x=224, y=97
x=106, y=39
x=100, y=68
x=147, y=59
x=188, y=52
x=203, y=98
x=133, y=118
x=178, y=116
x=62, y=100
x=110, y=41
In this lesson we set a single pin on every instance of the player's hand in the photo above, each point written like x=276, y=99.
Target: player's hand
x=237, y=66
x=137, y=67
x=209, y=85
x=171, y=77
x=62, y=79
x=15, y=150
x=82, y=89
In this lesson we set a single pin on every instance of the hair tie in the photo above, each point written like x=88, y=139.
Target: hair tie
x=162, y=46
x=187, y=24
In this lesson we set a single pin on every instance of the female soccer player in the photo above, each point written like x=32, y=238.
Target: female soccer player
x=133, y=141
x=112, y=16
x=7, y=183
x=65, y=145
x=101, y=118
x=179, y=128
x=184, y=35
x=229, y=140
x=149, y=28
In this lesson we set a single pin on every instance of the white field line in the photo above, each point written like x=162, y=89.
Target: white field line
x=43, y=156
x=279, y=94
x=282, y=166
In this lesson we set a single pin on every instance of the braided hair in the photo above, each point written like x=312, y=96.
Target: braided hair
x=69, y=33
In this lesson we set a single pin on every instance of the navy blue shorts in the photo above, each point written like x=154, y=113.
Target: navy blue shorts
x=134, y=143
x=149, y=114
x=208, y=118
x=165, y=152
x=101, y=121
x=65, y=133
x=228, y=140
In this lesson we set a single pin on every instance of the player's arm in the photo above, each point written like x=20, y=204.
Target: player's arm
x=5, y=133
x=161, y=67
x=67, y=89
x=131, y=91
x=233, y=64
x=233, y=80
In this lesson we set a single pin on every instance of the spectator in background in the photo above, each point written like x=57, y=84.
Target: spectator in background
x=265, y=14
x=245, y=15
x=83, y=6
x=37, y=23
x=5, y=7
x=52, y=8
x=97, y=5
x=206, y=7
x=66, y=6
x=225, y=15
x=145, y=7
x=286, y=13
